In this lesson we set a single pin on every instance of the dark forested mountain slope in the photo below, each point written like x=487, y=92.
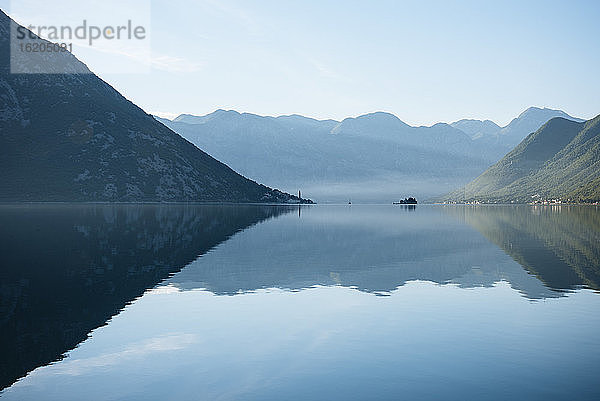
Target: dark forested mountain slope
x=72, y=137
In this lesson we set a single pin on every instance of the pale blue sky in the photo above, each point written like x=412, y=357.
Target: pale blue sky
x=423, y=61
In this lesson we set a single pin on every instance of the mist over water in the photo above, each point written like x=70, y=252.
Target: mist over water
x=383, y=189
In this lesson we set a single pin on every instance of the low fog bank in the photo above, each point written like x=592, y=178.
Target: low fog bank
x=377, y=190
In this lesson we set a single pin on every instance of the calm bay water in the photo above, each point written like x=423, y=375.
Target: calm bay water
x=190, y=302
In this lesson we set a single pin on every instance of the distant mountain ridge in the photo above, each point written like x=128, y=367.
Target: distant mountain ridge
x=561, y=160
x=476, y=128
x=527, y=122
x=374, y=157
x=334, y=161
x=72, y=137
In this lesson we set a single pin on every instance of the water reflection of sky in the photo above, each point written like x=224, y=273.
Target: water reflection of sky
x=262, y=303
x=334, y=342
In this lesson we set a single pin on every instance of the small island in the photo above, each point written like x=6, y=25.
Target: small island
x=406, y=201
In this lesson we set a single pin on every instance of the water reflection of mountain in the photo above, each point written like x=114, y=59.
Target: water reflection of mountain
x=558, y=244
x=66, y=269
x=375, y=249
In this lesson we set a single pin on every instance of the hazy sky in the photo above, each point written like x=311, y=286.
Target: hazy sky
x=423, y=61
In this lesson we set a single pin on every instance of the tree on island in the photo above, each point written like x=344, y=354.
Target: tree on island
x=407, y=201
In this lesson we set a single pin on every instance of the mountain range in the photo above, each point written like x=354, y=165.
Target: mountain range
x=374, y=157
x=561, y=160
x=72, y=137
x=504, y=139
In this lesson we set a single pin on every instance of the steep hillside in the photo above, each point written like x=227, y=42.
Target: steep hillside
x=498, y=141
x=72, y=137
x=527, y=122
x=560, y=160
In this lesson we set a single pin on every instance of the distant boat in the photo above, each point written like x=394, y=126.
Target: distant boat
x=349, y=202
